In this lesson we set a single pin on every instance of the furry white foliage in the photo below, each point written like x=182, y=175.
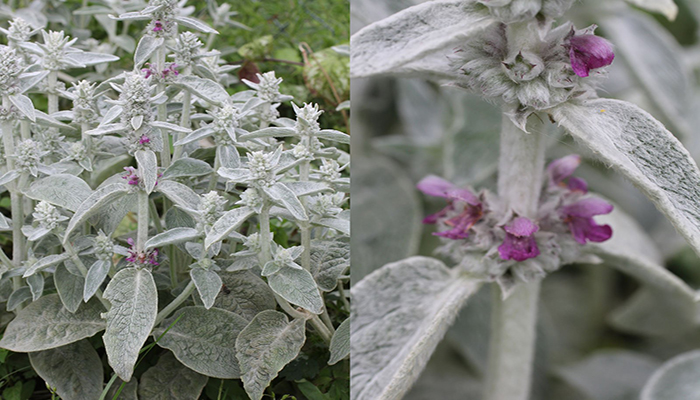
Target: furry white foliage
x=400, y=313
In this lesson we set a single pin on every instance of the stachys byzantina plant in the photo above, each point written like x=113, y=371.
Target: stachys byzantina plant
x=219, y=185
x=518, y=55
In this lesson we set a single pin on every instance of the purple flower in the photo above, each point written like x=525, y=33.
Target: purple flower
x=579, y=216
x=588, y=52
x=132, y=176
x=144, y=140
x=560, y=172
x=157, y=26
x=460, y=224
x=519, y=244
x=143, y=257
x=171, y=69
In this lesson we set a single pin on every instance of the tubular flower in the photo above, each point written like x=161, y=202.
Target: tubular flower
x=464, y=208
x=519, y=243
x=141, y=258
x=579, y=216
x=577, y=211
x=587, y=52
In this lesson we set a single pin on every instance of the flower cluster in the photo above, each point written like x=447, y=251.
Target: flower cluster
x=169, y=71
x=536, y=78
x=10, y=69
x=132, y=176
x=141, y=258
x=103, y=246
x=210, y=209
x=478, y=223
x=47, y=215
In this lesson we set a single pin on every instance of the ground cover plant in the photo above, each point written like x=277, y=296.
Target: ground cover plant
x=513, y=254
x=178, y=224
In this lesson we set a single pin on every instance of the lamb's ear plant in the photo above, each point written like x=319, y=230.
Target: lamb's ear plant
x=519, y=55
x=218, y=185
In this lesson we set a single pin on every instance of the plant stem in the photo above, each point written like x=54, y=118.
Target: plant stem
x=142, y=229
x=15, y=197
x=165, y=312
x=185, y=119
x=162, y=109
x=83, y=271
x=513, y=320
x=305, y=226
x=53, y=96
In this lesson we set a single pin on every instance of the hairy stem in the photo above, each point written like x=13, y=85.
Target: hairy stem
x=185, y=119
x=83, y=271
x=142, y=229
x=15, y=197
x=52, y=94
x=162, y=109
x=513, y=320
x=167, y=310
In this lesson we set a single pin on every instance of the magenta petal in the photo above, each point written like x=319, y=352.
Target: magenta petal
x=464, y=195
x=587, y=208
x=577, y=185
x=455, y=233
x=518, y=248
x=519, y=243
x=583, y=229
x=435, y=186
x=589, y=52
x=563, y=168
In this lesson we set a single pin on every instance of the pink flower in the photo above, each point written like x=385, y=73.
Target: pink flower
x=588, y=52
x=157, y=26
x=143, y=257
x=560, y=172
x=579, y=216
x=132, y=176
x=519, y=243
x=144, y=140
x=460, y=224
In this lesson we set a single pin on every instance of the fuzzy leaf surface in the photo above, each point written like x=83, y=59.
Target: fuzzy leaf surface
x=265, y=346
x=401, y=312
x=416, y=40
x=170, y=380
x=677, y=379
x=134, y=299
x=247, y=294
x=640, y=148
x=46, y=324
x=75, y=370
x=298, y=287
x=204, y=340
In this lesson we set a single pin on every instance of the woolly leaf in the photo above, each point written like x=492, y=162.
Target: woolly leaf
x=74, y=370
x=265, y=346
x=401, y=312
x=132, y=293
x=204, y=340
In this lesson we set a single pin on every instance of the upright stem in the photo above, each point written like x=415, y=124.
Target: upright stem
x=53, y=96
x=185, y=118
x=142, y=229
x=304, y=227
x=15, y=197
x=162, y=109
x=513, y=320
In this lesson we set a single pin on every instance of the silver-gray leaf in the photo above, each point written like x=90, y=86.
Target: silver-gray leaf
x=204, y=340
x=63, y=190
x=208, y=285
x=96, y=275
x=69, y=287
x=134, y=299
x=97, y=199
x=298, y=287
x=340, y=343
x=417, y=39
x=74, y=370
x=677, y=379
x=173, y=236
x=400, y=313
x=265, y=346
x=245, y=294
x=46, y=324
x=639, y=147
x=170, y=380
x=146, y=47
x=329, y=259
x=148, y=168
x=228, y=222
